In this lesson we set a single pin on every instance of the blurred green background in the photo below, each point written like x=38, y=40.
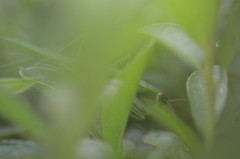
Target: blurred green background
x=69, y=71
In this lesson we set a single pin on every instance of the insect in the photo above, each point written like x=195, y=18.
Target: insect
x=139, y=110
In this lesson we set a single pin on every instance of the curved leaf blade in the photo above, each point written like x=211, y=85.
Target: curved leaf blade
x=177, y=40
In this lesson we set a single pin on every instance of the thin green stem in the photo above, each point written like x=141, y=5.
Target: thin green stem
x=209, y=106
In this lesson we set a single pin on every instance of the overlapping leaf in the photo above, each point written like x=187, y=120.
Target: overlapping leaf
x=196, y=90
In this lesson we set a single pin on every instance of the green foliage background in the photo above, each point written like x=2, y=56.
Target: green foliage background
x=70, y=70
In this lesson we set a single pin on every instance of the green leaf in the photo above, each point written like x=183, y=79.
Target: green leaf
x=17, y=85
x=165, y=117
x=196, y=17
x=19, y=113
x=196, y=92
x=136, y=113
x=34, y=50
x=229, y=44
x=176, y=39
x=115, y=113
x=168, y=145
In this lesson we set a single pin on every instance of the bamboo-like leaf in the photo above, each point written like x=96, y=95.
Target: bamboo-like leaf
x=115, y=113
x=196, y=92
x=176, y=39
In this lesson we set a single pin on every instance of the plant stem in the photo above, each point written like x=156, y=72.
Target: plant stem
x=210, y=116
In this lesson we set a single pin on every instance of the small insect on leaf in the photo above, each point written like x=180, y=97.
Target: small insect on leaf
x=139, y=110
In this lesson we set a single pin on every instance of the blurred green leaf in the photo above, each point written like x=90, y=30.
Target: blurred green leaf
x=169, y=120
x=196, y=17
x=136, y=113
x=168, y=145
x=176, y=39
x=106, y=31
x=20, y=114
x=33, y=50
x=17, y=85
x=196, y=92
x=229, y=45
x=138, y=110
x=115, y=114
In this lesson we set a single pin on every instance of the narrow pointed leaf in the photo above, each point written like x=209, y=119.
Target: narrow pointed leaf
x=115, y=113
